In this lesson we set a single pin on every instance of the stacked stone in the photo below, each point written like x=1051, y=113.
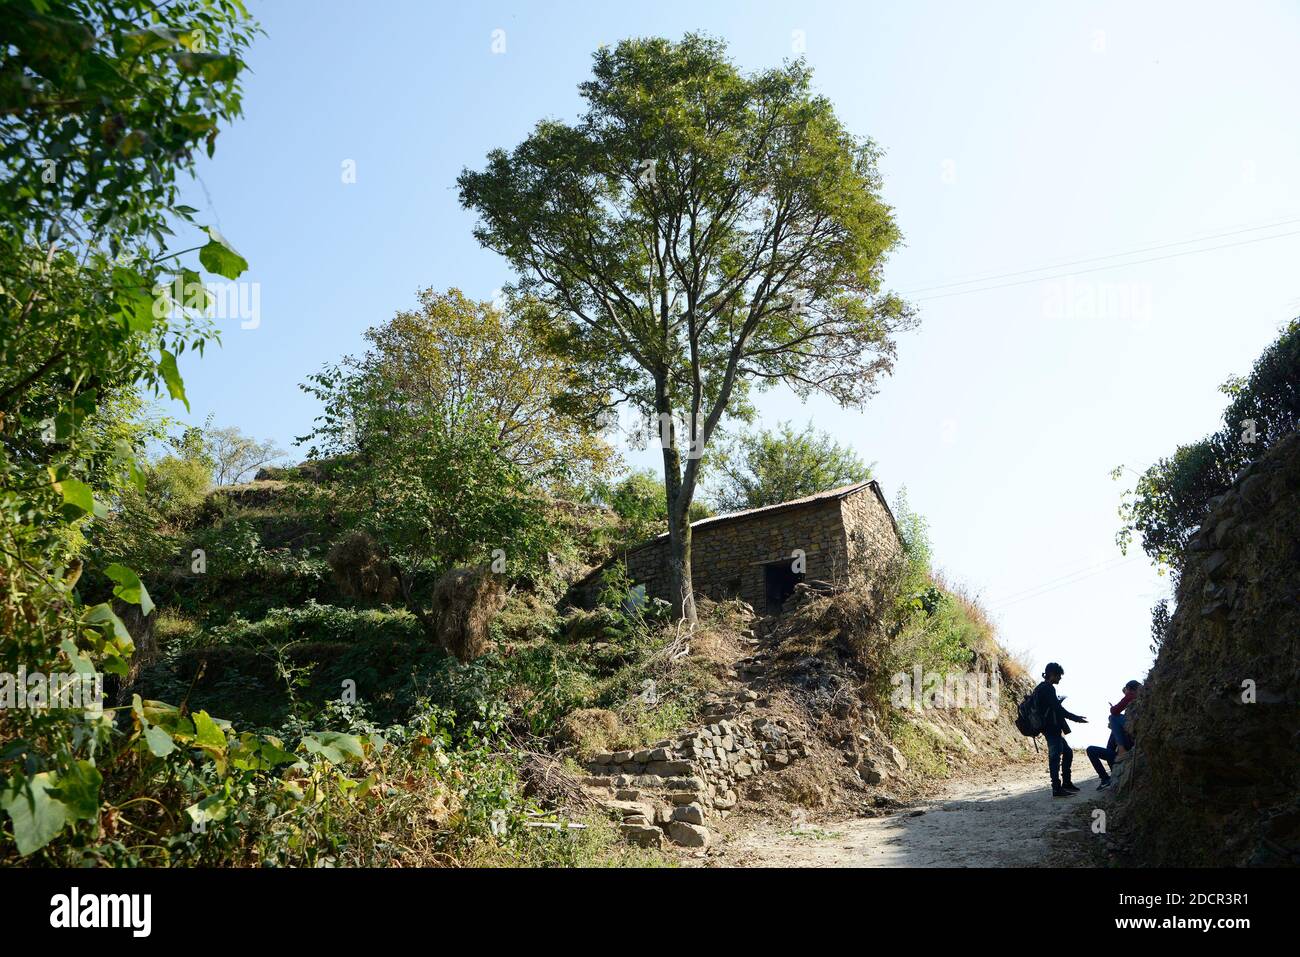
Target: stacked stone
x=695, y=775
x=728, y=704
x=873, y=769
x=872, y=541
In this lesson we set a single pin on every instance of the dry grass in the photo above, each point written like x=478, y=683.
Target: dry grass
x=1014, y=669
x=174, y=628
x=545, y=779
x=360, y=569
x=590, y=729
x=465, y=600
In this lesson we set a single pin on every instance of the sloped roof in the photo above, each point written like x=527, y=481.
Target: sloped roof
x=840, y=492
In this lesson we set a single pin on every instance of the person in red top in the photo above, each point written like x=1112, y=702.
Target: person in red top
x=1122, y=740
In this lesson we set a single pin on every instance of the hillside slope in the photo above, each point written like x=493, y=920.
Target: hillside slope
x=1217, y=776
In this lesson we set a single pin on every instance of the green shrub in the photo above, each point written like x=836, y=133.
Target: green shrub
x=314, y=622
x=176, y=486
x=1173, y=496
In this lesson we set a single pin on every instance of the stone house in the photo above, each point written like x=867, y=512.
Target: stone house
x=759, y=555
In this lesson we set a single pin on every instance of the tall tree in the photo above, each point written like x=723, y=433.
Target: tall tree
x=777, y=465
x=698, y=231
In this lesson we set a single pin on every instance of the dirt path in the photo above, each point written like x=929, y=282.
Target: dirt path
x=986, y=820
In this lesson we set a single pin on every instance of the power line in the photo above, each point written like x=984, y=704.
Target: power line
x=1131, y=252
x=1045, y=591
x=1063, y=579
x=1075, y=565
x=1003, y=605
x=1135, y=262
x=1117, y=559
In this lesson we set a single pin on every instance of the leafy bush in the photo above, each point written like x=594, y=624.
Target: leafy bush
x=115, y=100
x=314, y=622
x=1173, y=496
x=176, y=486
x=189, y=789
x=923, y=620
x=641, y=504
x=778, y=465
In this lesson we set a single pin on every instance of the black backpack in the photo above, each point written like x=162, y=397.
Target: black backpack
x=1028, y=721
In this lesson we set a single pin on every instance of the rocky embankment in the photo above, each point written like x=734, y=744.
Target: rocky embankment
x=1216, y=777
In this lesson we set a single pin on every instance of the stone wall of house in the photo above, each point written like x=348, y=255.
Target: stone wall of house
x=873, y=541
x=728, y=557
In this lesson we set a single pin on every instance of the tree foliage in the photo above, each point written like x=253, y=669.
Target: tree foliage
x=771, y=466
x=236, y=457
x=1173, y=496
x=434, y=490
x=101, y=109
x=638, y=499
x=698, y=231
x=462, y=364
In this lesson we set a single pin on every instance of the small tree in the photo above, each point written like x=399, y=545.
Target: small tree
x=432, y=491
x=450, y=355
x=235, y=455
x=1173, y=496
x=774, y=466
x=698, y=231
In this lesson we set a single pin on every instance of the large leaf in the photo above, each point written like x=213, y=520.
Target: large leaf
x=79, y=791
x=219, y=256
x=136, y=305
x=250, y=753
x=159, y=741
x=80, y=663
x=207, y=734
x=335, y=747
x=36, y=815
x=77, y=495
x=172, y=376
x=214, y=807
x=209, y=737
x=166, y=716
x=103, y=614
x=129, y=587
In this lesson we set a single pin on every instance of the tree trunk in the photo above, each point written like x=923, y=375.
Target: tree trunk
x=140, y=628
x=412, y=603
x=681, y=591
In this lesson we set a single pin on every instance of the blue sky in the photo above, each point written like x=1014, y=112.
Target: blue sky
x=1017, y=136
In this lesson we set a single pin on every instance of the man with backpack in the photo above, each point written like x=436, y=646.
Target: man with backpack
x=1050, y=716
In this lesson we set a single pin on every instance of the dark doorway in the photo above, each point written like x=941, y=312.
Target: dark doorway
x=779, y=580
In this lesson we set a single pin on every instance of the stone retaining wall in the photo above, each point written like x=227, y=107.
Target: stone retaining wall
x=676, y=786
